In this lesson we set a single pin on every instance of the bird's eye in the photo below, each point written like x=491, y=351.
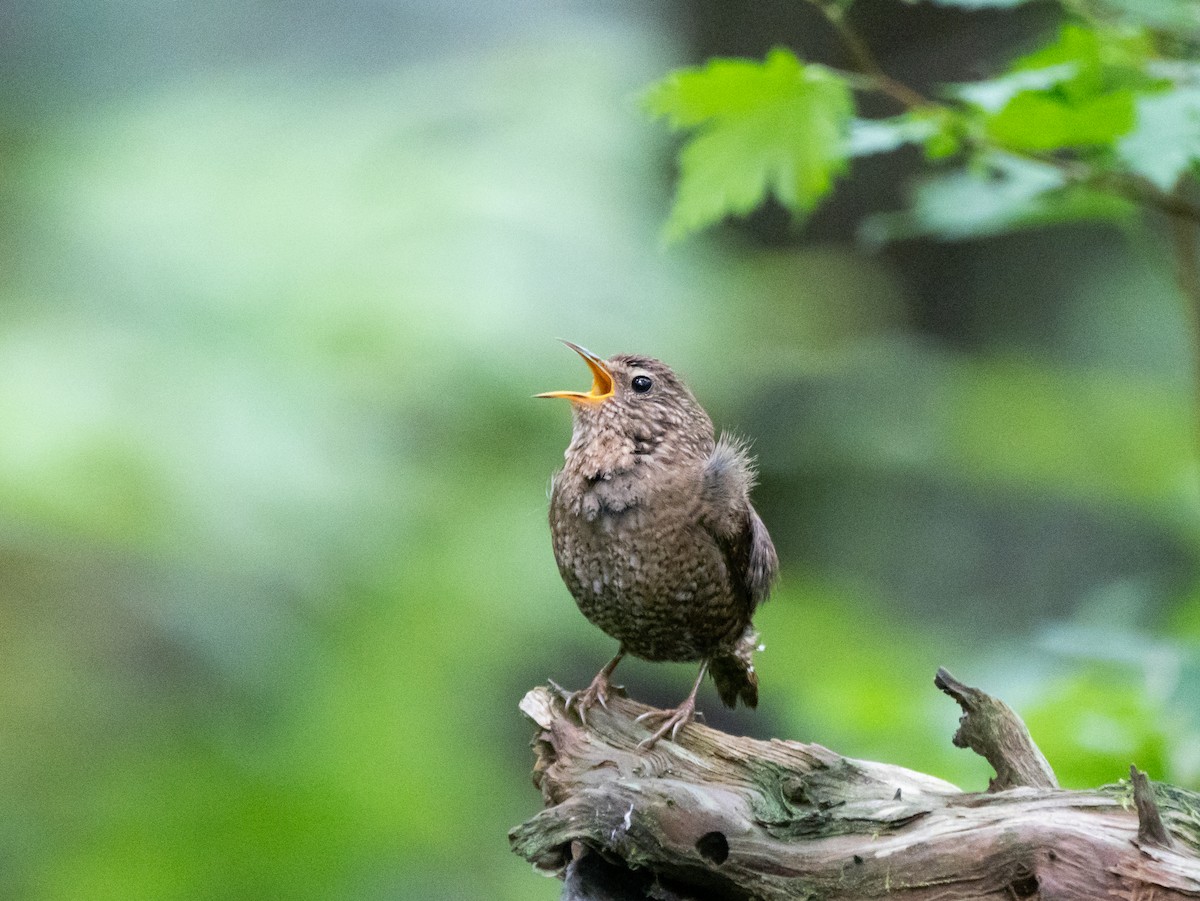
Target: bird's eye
x=641, y=383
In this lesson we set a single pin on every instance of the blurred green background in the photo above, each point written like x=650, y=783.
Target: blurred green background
x=278, y=281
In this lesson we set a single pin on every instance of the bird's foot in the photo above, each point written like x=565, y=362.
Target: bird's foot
x=596, y=693
x=672, y=721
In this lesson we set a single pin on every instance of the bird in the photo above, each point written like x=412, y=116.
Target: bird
x=654, y=533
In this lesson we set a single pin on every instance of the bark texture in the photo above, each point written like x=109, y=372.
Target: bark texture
x=716, y=816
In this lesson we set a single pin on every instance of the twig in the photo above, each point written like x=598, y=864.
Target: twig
x=865, y=61
x=1131, y=187
x=990, y=728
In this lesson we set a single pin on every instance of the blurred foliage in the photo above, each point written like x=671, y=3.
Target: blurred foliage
x=1054, y=138
x=277, y=287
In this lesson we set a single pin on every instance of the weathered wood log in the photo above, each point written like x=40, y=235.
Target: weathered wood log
x=716, y=816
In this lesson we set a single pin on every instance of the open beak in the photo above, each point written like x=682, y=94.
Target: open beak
x=602, y=380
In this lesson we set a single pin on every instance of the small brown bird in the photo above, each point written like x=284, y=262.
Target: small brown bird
x=654, y=532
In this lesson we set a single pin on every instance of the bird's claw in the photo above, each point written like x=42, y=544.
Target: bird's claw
x=672, y=722
x=596, y=693
x=579, y=702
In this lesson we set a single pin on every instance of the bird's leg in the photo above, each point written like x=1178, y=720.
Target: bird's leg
x=597, y=692
x=673, y=720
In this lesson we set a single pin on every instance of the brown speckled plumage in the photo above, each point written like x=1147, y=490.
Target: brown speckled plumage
x=654, y=532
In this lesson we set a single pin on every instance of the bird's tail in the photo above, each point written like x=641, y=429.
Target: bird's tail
x=733, y=671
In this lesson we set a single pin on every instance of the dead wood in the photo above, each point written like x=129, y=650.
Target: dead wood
x=717, y=816
x=991, y=729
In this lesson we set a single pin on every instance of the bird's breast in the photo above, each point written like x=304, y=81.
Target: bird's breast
x=642, y=567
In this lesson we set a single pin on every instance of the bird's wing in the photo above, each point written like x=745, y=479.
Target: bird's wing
x=728, y=515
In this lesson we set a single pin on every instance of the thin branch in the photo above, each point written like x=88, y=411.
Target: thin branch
x=1145, y=194
x=1132, y=187
x=865, y=61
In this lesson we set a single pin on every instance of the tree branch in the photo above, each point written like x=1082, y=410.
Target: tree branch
x=1133, y=188
x=865, y=61
x=715, y=816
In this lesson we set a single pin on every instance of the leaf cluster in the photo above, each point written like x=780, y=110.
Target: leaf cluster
x=1101, y=119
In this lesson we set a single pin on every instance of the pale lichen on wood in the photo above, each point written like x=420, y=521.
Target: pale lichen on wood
x=717, y=816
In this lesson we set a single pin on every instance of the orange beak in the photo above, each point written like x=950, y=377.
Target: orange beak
x=602, y=380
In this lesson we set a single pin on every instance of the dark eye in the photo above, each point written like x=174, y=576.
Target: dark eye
x=641, y=383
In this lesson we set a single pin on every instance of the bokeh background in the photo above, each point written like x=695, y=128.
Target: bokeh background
x=277, y=282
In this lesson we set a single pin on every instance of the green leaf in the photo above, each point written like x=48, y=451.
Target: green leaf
x=1036, y=121
x=1076, y=45
x=1105, y=60
x=1165, y=144
x=1005, y=194
x=723, y=88
x=778, y=127
x=1078, y=91
x=992, y=95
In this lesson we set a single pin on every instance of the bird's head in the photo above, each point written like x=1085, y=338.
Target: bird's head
x=637, y=406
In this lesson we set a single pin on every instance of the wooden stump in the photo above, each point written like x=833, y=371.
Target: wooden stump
x=716, y=816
